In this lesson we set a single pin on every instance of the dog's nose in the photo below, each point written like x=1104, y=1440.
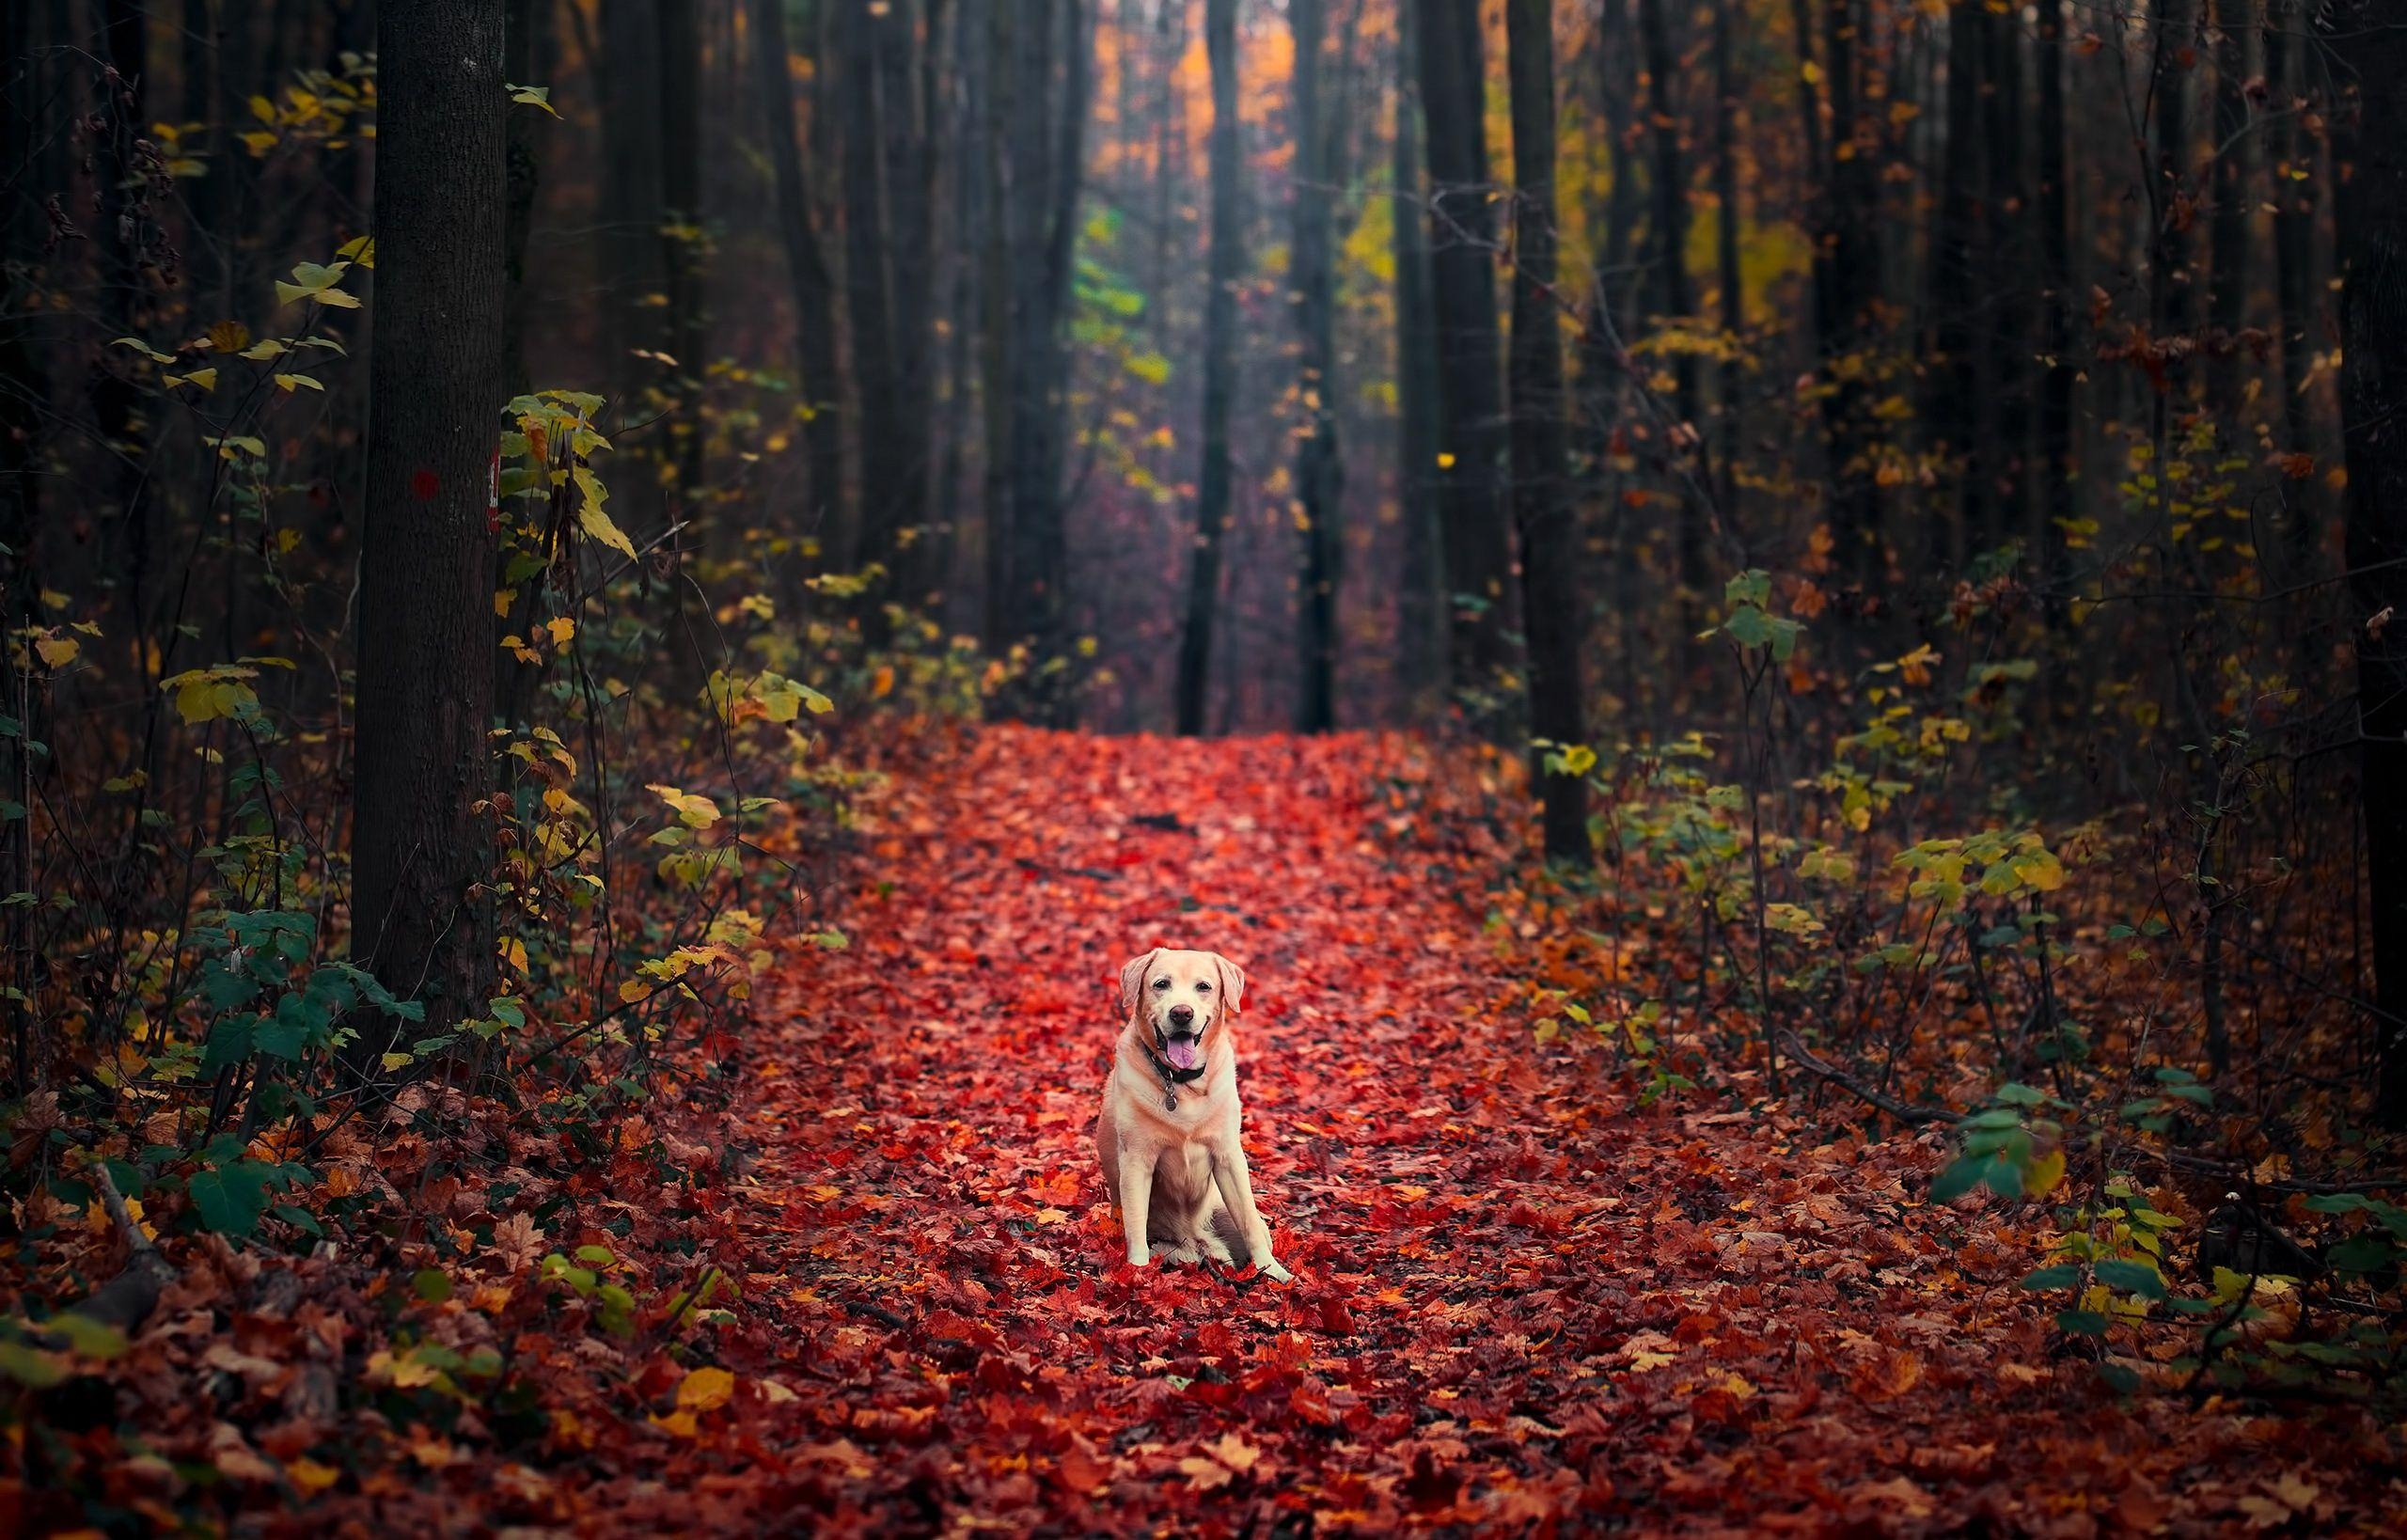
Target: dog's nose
x=1181, y=1014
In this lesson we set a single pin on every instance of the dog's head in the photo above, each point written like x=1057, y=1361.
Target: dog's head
x=1177, y=997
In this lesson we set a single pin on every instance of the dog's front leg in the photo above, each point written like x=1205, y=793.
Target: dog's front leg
x=1235, y=1182
x=1136, y=1201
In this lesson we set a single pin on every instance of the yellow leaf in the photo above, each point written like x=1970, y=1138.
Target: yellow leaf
x=309, y=1477
x=1446, y=462
x=561, y=628
x=596, y=523
x=2043, y=1175
x=705, y=1390
x=229, y=336
x=58, y=651
x=2040, y=869
x=694, y=811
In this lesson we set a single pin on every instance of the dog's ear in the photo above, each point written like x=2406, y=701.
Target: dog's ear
x=1232, y=982
x=1132, y=980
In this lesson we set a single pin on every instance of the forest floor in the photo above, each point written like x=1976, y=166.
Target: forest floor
x=1525, y=1301
x=1521, y=1301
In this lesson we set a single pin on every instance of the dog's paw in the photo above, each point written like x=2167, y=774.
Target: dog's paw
x=1276, y=1273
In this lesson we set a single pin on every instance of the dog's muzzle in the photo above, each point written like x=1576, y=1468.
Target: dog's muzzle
x=1183, y=1042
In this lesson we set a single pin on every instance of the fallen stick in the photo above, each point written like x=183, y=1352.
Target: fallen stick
x=127, y=1300
x=1822, y=1069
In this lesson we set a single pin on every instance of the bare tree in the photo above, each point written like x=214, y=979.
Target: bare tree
x=427, y=549
x=1542, y=509
x=2373, y=208
x=1225, y=264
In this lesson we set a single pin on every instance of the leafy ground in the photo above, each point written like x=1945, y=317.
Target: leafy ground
x=1520, y=1301
x=1523, y=1299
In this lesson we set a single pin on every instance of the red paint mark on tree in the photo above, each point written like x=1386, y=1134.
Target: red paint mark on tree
x=424, y=486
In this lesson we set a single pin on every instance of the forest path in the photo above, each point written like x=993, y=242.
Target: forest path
x=1517, y=1300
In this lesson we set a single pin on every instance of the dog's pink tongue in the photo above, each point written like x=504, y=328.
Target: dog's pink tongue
x=1185, y=1052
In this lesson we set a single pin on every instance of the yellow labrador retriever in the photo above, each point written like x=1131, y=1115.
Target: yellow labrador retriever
x=1167, y=1133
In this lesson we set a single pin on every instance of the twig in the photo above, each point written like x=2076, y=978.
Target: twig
x=1823, y=1069
x=126, y=1300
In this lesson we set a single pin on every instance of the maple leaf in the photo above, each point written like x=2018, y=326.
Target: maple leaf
x=518, y=1242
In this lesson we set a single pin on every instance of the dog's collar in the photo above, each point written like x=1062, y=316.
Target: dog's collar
x=1171, y=1076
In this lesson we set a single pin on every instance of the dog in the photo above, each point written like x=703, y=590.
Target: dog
x=1167, y=1133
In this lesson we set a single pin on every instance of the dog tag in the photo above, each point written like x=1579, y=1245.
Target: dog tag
x=1169, y=1101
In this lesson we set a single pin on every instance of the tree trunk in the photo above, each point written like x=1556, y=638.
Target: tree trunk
x=2010, y=381
x=2235, y=181
x=2172, y=32
x=1675, y=294
x=2372, y=219
x=681, y=245
x=1421, y=651
x=2294, y=278
x=427, y=551
x=521, y=49
x=2057, y=301
x=634, y=281
x=814, y=292
x=1226, y=262
x=1952, y=390
x=1853, y=207
x=1470, y=408
x=888, y=275
x=1542, y=507
x=1320, y=473
x=1038, y=90
x=1731, y=280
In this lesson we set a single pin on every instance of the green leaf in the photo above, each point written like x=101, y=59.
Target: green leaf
x=2132, y=1277
x=2081, y=1323
x=431, y=1284
x=2062, y=1275
x=231, y=1199
x=31, y=1367
x=93, y=1338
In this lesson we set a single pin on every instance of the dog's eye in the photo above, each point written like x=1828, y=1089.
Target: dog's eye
x=1161, y=983
x=1203, y=988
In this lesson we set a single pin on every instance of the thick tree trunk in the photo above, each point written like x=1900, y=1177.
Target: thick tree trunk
x=1470, y=425
x=2372, y=217
x=427, y=551
x=1320, y=473
x=814, y=292
x=1542, y=507
x=1225, y=263
x=23, y=390
x=888, y=274
x=1421, y=652
x=1038, y=90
